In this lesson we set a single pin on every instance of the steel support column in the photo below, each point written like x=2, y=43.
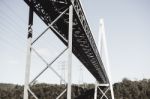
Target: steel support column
x=70, y=52
x=28, y=60
x=95, y=92
x=103, y=46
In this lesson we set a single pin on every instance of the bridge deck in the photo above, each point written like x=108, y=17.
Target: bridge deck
x=84, y=47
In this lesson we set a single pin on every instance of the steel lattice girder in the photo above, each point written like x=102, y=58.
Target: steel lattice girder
x=84, y=47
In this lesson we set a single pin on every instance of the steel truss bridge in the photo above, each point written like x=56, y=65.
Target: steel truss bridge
x=56, y=15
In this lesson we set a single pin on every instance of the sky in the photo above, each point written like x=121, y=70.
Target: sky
x=127, y=25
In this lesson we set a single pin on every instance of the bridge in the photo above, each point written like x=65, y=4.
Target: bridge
x=56, y=14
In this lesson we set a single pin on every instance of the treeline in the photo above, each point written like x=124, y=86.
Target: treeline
x=46, y=91
x=126, y=89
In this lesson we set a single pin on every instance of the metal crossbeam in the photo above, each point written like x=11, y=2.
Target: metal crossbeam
x=50, y=25
x=32, y=93
x=48, y=65
x=61, y=94
x=103, y=92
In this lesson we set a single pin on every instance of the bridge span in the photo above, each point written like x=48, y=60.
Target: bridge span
x=67, y=20
x=84, y=47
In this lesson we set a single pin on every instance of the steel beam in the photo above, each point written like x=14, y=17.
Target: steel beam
x=50, y=25
x=95, y=92
x=70, y=52
x=28, y=58
x=48, y=65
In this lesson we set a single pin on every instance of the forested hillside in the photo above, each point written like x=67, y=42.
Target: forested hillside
x=132, y=89
x=123, y=90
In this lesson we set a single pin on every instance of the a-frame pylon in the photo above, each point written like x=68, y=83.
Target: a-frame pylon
x=30, y=49
x=102, y=47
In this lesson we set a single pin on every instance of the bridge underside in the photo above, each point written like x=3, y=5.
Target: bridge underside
x=84, y=47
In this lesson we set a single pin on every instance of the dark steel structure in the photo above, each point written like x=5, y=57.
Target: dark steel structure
x=84, y=47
